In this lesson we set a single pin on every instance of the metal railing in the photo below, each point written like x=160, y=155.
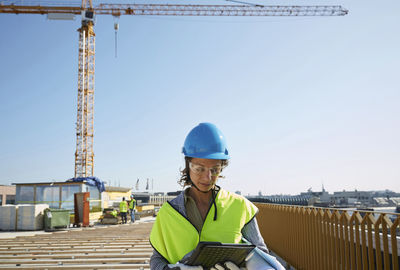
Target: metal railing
x=326, y=238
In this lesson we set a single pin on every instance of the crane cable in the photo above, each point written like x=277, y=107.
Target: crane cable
x=116, y=27
x=246, y=3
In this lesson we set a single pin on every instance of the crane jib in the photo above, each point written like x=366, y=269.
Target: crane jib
x=181, y=10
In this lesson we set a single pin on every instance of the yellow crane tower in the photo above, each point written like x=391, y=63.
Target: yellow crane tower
x=84, y=155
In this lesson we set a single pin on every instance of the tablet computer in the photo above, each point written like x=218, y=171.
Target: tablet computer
x=207, y=254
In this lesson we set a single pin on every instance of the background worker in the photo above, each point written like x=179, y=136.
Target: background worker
x=123, y=208
x=132, y=207
x=203, y=211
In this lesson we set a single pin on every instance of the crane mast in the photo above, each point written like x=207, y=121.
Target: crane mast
x=84, y=154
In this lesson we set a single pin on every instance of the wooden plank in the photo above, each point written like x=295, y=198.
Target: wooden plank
x=87, y=266
x=71, y=237
x=67, y=247
x=76, y=261
x=80, y=241
x=61, y=245
x=73, y=245
x=72, y=241
x=75, y=251
x=78, y=255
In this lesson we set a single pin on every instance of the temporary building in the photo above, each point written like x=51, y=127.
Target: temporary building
x=60, y=195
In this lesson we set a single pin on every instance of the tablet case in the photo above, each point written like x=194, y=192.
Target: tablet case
x=207, y=254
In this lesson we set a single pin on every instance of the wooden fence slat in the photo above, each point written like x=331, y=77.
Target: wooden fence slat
x=329, y=226
x=378, y=254
x=385, y=224
x=358, y=247
x=352, y=248
x=320, y=220
x=337, y=239
x=370, y=223
x=347, y=251
x=341, y=240
x=364, y=242
x=393, y=237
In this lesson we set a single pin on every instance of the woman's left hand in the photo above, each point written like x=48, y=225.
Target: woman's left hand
x=227, y=266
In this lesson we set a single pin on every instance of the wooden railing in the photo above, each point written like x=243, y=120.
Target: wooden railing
x=322, y=238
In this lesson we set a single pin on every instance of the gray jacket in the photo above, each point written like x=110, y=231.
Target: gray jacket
x=250, y=232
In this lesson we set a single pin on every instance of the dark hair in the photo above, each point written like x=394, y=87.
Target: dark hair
x=185, y=176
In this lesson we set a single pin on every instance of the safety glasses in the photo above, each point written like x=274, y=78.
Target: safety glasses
x=200, y=169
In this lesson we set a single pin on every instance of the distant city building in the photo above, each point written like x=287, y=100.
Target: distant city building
x=386, y=198
x=281, y=199
x=354, y=198
x=7, y=195
x=358, y=198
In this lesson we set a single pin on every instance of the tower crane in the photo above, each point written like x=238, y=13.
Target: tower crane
x=84, y=155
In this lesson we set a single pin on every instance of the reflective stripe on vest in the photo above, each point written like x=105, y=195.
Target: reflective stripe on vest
x=173, y=236
x=123, y=207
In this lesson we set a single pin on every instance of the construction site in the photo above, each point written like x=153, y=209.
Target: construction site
x=84, y=222
x=100, y=246
x=79, y=230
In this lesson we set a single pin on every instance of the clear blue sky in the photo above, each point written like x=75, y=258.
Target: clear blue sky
x=302, y=101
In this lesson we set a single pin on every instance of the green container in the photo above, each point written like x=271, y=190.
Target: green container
x=55, y=219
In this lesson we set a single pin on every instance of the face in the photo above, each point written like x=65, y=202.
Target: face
x=204, y=172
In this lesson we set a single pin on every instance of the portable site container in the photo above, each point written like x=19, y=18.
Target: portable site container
x=30, y=217
x=8, y=218
x=59, y=195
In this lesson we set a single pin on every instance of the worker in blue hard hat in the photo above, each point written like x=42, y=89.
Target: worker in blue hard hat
x=132, y=207
x=204, y=211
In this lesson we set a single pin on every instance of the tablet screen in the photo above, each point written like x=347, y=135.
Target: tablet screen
x=207, y=254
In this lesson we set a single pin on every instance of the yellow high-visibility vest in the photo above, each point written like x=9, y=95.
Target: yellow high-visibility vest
x=132, y=204
x=173, y=236
x=123, y=207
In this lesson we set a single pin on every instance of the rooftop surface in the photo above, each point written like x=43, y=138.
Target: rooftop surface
x=101, y=247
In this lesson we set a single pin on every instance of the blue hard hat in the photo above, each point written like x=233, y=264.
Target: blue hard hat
x=205, y=141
